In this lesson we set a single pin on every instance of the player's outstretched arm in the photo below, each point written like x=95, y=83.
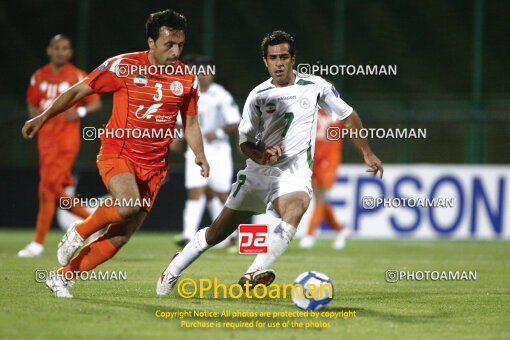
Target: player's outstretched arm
x=353, y=122
x=266, y=156
x=91, y=107
x=193, y=136
x=61, y=104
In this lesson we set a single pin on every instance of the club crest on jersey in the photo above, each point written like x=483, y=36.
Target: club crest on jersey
x=304, y=103
x=270, y=108
x=140, y=80
x=177, y=88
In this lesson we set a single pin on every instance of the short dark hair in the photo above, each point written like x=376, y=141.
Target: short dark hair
x=168, y=18
x=276, y=38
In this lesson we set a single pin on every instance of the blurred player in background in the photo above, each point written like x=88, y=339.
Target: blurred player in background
x=131, y=168
x=277, y=133
x=218, y=116
x=326, y=160
x=58, y=142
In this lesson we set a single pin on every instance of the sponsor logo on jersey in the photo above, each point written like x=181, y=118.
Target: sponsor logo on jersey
x=103, y=66
x=177, y=88
x=286, y=98
x=140, y=80
x=141, y=113
x=270, y=108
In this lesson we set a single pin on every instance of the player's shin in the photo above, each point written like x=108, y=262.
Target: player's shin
x=190, y=253
x=47, y=208
x=279, y=240
x=90, y=257
x=103, y=216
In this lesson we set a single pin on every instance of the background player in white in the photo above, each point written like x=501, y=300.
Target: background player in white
x=277, y=133
x=218, y=116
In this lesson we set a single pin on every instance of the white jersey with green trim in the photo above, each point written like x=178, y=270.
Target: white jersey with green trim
x=288, y=116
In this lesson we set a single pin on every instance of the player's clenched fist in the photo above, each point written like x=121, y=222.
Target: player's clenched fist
x=31, y=127
x=202, y=163
x=271, y=154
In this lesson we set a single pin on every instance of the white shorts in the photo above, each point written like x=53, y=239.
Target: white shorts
x=255, y=192
x=220, y=175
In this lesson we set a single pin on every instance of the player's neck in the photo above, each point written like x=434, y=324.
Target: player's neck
x=290, y=81
x=151, y=58
x=55, y=68
x=204, y=88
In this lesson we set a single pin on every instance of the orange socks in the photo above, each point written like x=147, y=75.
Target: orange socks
x=90, y=257
x=330, y=218
x=98, y=220
x=318, y=215
x=47, y=206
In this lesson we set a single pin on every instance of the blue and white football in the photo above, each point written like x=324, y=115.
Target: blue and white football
x=312, y=291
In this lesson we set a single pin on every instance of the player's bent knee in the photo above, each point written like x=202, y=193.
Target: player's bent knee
x=119, y=241
x=129, y=212
x=294, y=212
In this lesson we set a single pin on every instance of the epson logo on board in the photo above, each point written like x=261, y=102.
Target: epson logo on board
x=479, y=194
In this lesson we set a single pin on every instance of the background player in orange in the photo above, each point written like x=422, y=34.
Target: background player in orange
x=327, y=158
x=58, y=142
x=131, y=168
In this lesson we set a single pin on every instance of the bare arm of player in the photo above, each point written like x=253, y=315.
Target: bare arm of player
x=61, y=104
x=33, y=111
x=92, y=107
x=353, y=122
x=266, y=156
x=193, y=136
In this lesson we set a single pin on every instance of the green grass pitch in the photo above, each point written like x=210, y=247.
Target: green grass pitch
x=126, y=309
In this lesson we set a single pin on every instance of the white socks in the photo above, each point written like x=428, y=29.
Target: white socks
x=214, y=206
x=279, y=240
x=190, y=253
x=193, y=211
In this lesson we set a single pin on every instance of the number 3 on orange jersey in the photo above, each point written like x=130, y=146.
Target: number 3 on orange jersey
x=159, y=93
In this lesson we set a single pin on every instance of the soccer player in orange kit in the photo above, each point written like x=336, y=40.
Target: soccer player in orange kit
x=59, y=141
x=327, y=158
x=131, y=168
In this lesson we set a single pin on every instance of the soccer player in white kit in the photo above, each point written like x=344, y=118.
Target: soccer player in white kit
x=277, y=133
x=218, y=116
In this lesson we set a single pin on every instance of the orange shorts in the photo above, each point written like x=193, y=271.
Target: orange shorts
x=324, y=172
x=55, y=168
x=148, y=180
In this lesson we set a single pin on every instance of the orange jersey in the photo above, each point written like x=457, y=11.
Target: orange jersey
x=44, y=88
x=324, y=147
x=143, y=101
x=328, y=152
